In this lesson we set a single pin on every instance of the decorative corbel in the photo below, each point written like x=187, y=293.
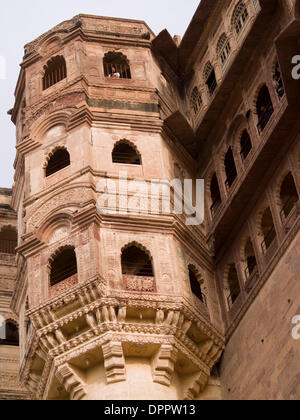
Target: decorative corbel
x=164, y=365
x=71, y=382
x=114, y=362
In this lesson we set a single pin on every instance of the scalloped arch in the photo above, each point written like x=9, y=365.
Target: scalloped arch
x=45, y=124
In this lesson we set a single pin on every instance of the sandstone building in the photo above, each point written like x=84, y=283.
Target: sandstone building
x=141, y=305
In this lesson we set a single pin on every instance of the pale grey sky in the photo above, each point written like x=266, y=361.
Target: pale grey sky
x=22, y=21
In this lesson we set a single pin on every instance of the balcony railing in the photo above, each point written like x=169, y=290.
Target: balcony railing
x=268, y=241
x=63, y=286
x=265, y=118
x=122, y=69
x=252, y=275
x=11, y=258
x=232, y=298
x=8, y=246
x=287, y=208
x=139, y=283
x=231, y=177
x=212, y=87
x=245, y=152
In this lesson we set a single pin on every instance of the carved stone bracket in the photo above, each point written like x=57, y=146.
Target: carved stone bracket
x=71, y=381
x=114, y=362
x=198, y=385
x=164, y=365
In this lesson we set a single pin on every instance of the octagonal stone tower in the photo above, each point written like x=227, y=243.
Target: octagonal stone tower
x=112, y=305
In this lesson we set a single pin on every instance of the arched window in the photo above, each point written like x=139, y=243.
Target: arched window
x=210, y=78
x=196, y=100
x=240, y=17
x=116, y=65
x=267, y=229
x=125, y=153
x=277, y=81
x=196, y=286
x=246, y=145
x=136, y=262
x=288, y=196
x=233, y=286
x=264, y=108
x=230, y=168
x=8, y=240
x=223, y=48
x=58, y=161
x=251, y=263
x=63, y=266
x=9, y=334
x=215, y=194
x=55, y=71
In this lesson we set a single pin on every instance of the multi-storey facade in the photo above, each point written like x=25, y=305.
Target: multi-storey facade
x=10, y=387
x=139, y=304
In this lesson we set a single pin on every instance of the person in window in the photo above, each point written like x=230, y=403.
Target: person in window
x=114, y=74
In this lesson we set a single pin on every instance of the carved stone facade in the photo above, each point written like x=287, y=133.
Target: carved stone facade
x=104, y=328
x=10, y=386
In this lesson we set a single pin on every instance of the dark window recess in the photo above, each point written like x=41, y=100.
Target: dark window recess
x=196, y=287
x=211, y=82
x=9, y=334
x=126, y=154
x=116, y=63
x=246, y=145
x=55, y=71
x=215, y=194
x=57, y=162
x=136, y=262
x=63, y=266
x=288, y=196
x=264, y=108
x=268, y=230
x=233, y=285
x=250, y=259
x=230, y=168
x=8, y=240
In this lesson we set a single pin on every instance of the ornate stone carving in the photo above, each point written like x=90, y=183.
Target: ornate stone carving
x=164, y=365
x=114, y=362
x=71, y=381
x=197, y=386
x=139, y=284
x=65, y=198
